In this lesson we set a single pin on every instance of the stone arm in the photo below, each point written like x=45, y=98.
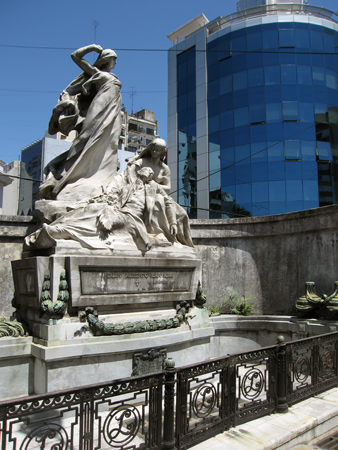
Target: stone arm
x=78, y=55
x=170, y=210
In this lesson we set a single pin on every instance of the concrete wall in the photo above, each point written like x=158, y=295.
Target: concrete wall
x=13, y=229
x=268, y=258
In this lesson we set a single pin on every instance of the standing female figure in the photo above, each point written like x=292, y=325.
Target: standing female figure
x=91, y=105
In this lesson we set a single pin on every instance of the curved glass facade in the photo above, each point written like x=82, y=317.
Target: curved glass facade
x=272, y=107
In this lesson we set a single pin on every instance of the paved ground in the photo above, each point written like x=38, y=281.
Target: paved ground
x=303, y=427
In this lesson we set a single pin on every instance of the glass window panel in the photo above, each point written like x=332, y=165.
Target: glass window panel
x=260, y=192
x=254, y=60
x=227, y=138
x=256, y=77
x=270, y=59
x=277, y=191
x=242, y=152
x=272, y=75
x=305, y=93
x=324, y=151
x=328, y=41
x=214, y=142
x=330, y=61
x=293, y=170
x=276, y=170
x=277, y=208
x=238, y=43
x=214, y=161
x=241, y=116
x=259, y=152
x=243, y=172
x=308, y=132
x=270, y=39
x=304, y=59
x=275, y=151
x=242, y=135
x=290, y=111
x=227, y=157
x=212, y=52
x=226, y=120
x=192, y=99
x=291, y=130
x=304, y=74
x=225, y=67
x=316, y=40
x=286, y=57
x=213, y=89
x=287, y=38
x=213, y=72
x=295, y=206
x=213, y=106
x=257, y=113
x=192, y=117
x=260, y=209
x=254, y=41
x=256, y=94
x=239, y=62
x=319, y=76
x=288, y=74
x=310, y=170
x=310, y=189
x=289, y=92
x=302, y=39
x=226, y=102
x=243, y=193
x=273, y=93
x=240, y=80
x=294, y=190
x=214, y=181
x=292, y=149
x=275, y=131
x=258, y=133
x=182, y=101
x=213, y=123
x=331, y=79
x=225, y=85
x=259, y=172
x=306, y=113
x=274, y=112
x=308, y=150
x=320, y=94
x=241, y=98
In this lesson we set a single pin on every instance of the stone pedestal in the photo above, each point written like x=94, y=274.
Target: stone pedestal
x=120, y=286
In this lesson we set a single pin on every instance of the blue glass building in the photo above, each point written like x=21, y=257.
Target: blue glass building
x=253, y=111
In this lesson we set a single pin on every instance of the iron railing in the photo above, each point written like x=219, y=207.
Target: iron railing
x=176, y=407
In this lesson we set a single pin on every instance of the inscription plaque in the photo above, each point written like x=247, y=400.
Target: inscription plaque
x=108, y=281
x=150, y=361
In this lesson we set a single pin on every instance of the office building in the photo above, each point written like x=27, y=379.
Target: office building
x=253, y=107
x=138, y=130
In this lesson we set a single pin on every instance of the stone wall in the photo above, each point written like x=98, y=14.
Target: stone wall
x=13, y=229
x=269, y=258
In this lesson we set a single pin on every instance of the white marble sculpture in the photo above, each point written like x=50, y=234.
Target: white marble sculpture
x=133, y=208
x=91, y=105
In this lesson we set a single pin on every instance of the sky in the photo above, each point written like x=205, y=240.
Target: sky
x=38, y=36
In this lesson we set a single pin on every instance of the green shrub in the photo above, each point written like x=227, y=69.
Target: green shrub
x=213, y=310
x=235, y=304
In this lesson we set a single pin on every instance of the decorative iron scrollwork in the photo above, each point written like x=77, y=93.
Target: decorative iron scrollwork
x=121, y=426
x=50, y=435
x=327, y=362
x=204, y=400
x=302, y=369
x=252, y=384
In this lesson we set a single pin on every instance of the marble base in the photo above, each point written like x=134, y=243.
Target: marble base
x=115, y=285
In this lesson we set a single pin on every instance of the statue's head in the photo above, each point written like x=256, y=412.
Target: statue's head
x=106, y=57
x=156, y=147
x=146, y=173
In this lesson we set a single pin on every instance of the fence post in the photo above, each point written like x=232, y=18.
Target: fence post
x=282, y=406
x=169, y=409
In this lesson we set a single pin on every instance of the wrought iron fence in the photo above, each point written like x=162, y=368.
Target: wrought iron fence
x=176, y=407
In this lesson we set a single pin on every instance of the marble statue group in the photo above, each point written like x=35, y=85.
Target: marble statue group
x=83, y=198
